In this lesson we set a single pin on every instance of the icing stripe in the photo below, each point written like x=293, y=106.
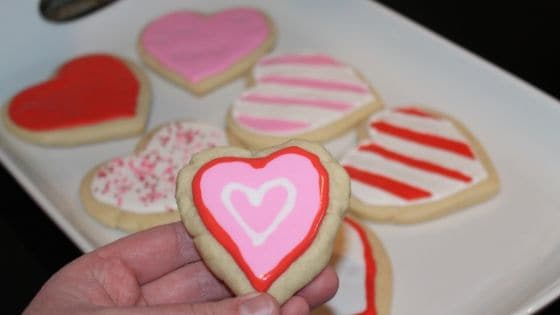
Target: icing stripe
x=444, y=158
x=296, y=101
x=436, y=127
x=392, y=186
x=290, y=113
x=370, y=266
x=416, y=163
x=316, y=60
x=415, y=111
x=314, y=83
x=435, y=141
x=270, y=124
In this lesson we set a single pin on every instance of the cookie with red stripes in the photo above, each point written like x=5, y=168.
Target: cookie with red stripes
x=364, y=271
x=416, y=165
x=307, y=96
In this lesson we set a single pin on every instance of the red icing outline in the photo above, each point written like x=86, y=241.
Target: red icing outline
x=371, y=268
x=85, y=90
x=262, y=283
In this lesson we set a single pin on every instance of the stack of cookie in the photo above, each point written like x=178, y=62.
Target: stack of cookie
x=265, y=197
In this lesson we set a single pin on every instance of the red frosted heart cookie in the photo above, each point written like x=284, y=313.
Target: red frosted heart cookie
x=137, y=191
x=90, y=98
x=364, y=272
x=201, y=52
x=266, y=221
x=417, y=164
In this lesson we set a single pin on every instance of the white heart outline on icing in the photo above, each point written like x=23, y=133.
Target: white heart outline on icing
x=255, y=197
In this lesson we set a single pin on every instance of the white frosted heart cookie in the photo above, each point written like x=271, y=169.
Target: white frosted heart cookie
x=136, y=192
x=305, y=96
x=417, y=164
x=90, y=98
x=365, y=275
x=264, y=221
x=201, y=52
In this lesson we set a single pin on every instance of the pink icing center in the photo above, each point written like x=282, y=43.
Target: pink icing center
x=273, y=202
x=197, y=46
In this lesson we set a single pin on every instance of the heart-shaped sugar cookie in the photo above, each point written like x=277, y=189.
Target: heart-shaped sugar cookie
x=138, y=191
x=364, y=272
x=90, y=98
x=201, y=52
x=417, y=164
x=306, y=96
x=259, y=220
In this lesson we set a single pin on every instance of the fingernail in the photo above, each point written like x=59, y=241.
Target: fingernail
x=256, y=304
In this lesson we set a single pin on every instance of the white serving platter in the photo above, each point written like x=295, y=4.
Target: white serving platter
x=500, y=257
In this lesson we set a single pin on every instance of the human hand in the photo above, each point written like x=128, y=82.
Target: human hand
x=159, y=271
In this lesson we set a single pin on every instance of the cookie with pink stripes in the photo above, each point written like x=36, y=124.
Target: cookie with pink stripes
x=306, y=96
x=417, y=164
x=137, y=191
x=201, y=52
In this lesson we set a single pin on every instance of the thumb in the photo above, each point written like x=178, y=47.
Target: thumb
x=251, y=304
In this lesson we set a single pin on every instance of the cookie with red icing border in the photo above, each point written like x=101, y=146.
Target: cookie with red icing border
x=364, y=272
x=310, y=96
x=137, y=191
x=417, y=164
x=264, y=221
x=201, y=52
x=90, y=98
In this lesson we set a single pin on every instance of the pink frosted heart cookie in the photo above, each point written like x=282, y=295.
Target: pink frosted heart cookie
x=137, y=191
x=306, y=96
x=364, y=273
x=202, y=52
x=264, y=221
x=417, y=164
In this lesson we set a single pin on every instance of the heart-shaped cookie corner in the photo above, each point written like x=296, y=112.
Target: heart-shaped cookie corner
x=364, y=270
x=264, y=221
x=201, y=52
x=417, y=164
x=90, y=98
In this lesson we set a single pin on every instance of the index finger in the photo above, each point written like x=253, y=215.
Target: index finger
x=153, y=253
